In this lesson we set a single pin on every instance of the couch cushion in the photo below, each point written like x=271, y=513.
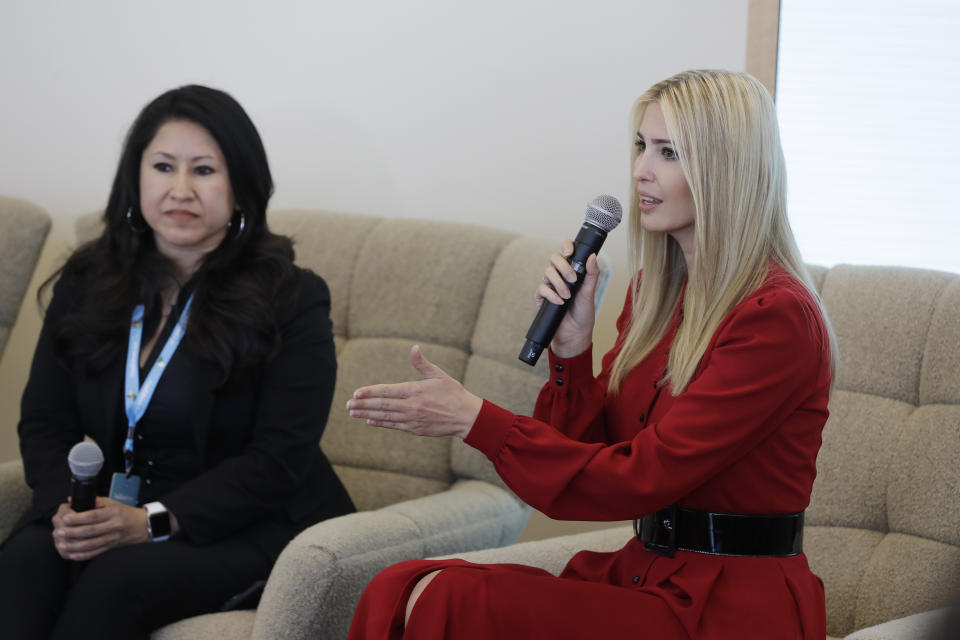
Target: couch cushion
x=88, y=226
x=422, y=281
x=374, y=489
x=854, y=461
x=513, y=389
x=495, y=371
x=884, y=520
x=907, y=575
x=839, y=556
x=23, y=229
x=881, y=315
x=513, y=278
x=213, y=626
x=923, y=491
x=818, y=274
x=329, y=244
x=553, y=554
x=929, y=625
x=351, y=442
x=940, y=374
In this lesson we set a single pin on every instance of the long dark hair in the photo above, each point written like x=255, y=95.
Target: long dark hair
x=239, y=288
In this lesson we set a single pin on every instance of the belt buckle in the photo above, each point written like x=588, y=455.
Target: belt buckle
x=660, y=531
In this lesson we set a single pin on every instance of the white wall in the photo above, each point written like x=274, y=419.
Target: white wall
x=508, y=113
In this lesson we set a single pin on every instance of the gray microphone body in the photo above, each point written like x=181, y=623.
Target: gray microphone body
x=85, y=460
x=603, y=214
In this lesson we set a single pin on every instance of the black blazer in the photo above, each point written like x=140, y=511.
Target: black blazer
x=258, y=437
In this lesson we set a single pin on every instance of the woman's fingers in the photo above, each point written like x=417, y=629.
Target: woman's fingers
x=548, y=293
x=387, y=424
x=79, y=545
x=557, y=277
x=402, y=416
x=589, y=285
x=82, y=542
x=376, y=409
x=75, y=519
x=560, y=274
x=562, y=267
x=85, y=532
x=83, y=535
x=57, y=518
x=437, y=405
x=400, y=390
x=556, y=280
x=90, y=550
x=379, y=416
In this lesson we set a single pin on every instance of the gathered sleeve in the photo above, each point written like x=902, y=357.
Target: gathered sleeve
x=765, y=359
x=572, y=399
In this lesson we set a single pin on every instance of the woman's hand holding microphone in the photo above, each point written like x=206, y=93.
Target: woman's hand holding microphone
x=575, y=333
x=86, y=534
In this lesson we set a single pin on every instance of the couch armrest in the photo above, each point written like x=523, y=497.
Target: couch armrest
x=929, y=625
x=318, y=579
x=15, y=495
x=552, y=554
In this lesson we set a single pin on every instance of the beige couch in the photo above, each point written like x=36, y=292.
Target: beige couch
x=465, y=294
x=23, y=229
x=883, y=527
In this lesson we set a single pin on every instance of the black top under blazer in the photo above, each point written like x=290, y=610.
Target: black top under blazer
x=257, y=437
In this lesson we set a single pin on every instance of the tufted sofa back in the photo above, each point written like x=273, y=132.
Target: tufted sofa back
x=455, y=290
x=883, y=526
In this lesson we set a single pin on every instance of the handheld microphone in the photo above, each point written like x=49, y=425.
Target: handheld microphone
x=85, y=460
x=603, y=214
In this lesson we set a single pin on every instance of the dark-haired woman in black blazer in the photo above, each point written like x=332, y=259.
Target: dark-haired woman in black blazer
x=186, y=343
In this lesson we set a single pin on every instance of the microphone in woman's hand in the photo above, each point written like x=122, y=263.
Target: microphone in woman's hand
x=85, y=460
x=603, y=214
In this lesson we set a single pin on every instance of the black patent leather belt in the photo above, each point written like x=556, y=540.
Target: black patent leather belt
x=728, y=534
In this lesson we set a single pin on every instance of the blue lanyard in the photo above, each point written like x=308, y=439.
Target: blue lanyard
x=136, y=398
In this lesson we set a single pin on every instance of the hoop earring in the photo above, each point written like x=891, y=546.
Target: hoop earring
x=240, y=227
x=130, y=221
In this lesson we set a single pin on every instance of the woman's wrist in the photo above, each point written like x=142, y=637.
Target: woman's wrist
x=475, y=403
x=570, y=349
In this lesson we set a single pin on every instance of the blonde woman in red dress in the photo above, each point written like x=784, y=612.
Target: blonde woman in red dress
x=703, y=425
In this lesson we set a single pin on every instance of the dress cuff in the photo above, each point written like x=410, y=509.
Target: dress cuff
x=490, y=429
x=571, y=373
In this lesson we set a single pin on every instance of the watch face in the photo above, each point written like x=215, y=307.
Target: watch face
x=160, y=524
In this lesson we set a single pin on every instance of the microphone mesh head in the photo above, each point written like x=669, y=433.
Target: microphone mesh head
x=85, y=460
x=604, y=212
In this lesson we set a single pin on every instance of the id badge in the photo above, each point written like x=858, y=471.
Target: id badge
x=125, y=489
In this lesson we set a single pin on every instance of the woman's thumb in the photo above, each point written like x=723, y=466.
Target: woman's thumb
x=419, y=361
x=593, y=274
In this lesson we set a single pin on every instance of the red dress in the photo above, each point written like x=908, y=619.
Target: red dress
x=742, y=438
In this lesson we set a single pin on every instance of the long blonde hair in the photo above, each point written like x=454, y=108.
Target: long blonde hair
x=724, y=128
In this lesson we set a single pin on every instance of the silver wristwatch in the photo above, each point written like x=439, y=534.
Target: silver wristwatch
x=158, y=522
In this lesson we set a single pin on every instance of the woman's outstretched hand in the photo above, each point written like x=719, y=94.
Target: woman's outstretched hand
x=435, y=406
